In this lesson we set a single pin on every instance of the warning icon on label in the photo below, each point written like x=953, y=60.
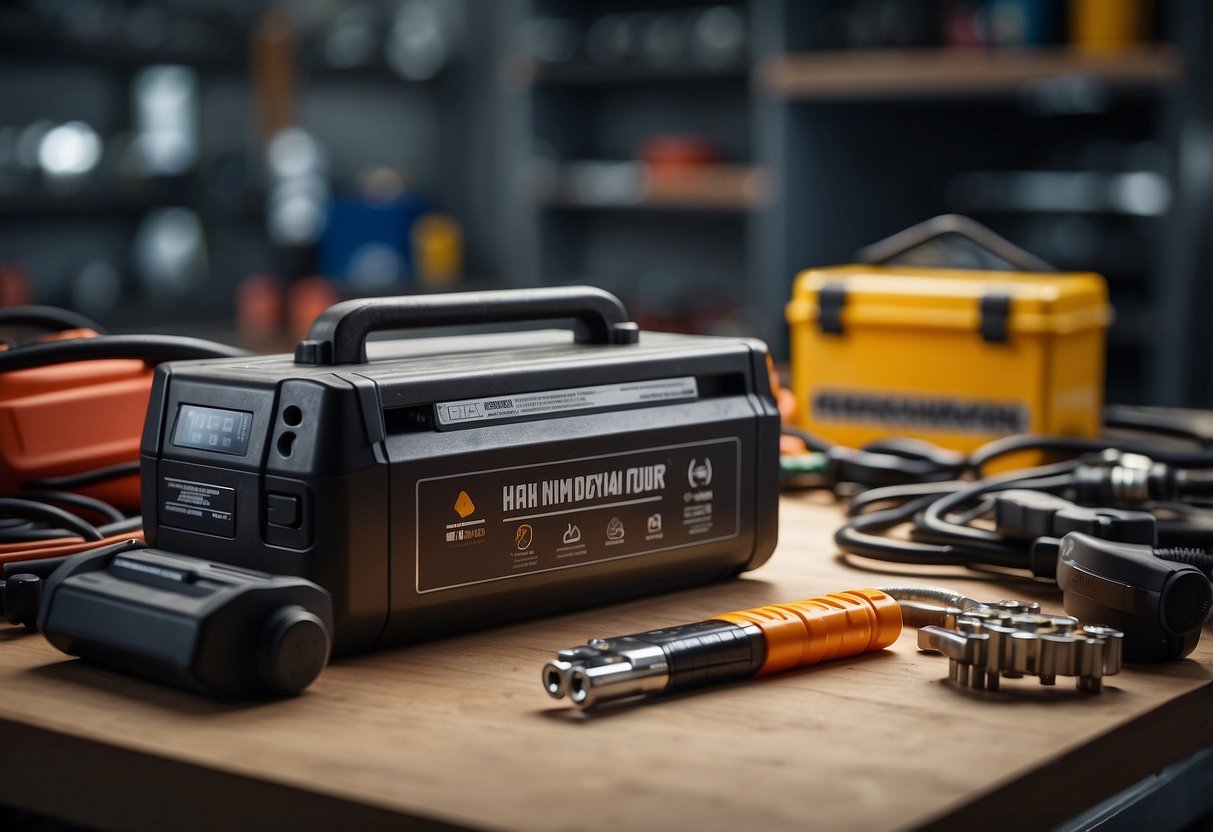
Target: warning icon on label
x=464, y=505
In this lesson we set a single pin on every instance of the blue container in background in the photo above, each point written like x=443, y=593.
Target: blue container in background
x=366, y=243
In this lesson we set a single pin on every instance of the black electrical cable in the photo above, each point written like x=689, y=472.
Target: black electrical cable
x=43, y=513
x=1129, y=418
x=31, y=533
x=1193, y=532
x=1074, y=445
x=1194, y=484
x=49, y=318
x=888, y=463
x=908, y=448
x=65, y=499
x=130, y=524
x=900, y=460
x=862, y=501
x=30, y=510
x=1047, y=478
x=811, y=441
x=910, y=482
x=856, y=538
x=980, y=510
x=944, y=545
x=153, y=349
x=1193, y=557
x=97, y=475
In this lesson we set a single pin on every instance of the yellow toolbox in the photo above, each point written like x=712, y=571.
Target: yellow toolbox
x=956, y=357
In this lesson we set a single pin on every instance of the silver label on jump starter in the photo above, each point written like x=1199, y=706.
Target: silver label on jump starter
x=548, y=402
x=508, y=522
x=198, y=506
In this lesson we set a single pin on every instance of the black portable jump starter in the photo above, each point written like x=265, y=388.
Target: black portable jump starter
x=463, y=480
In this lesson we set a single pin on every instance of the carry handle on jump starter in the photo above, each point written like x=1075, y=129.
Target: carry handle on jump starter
x=338, y=335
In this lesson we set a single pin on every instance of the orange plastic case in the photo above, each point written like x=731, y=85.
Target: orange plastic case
x=73, y=418
x=951, y=356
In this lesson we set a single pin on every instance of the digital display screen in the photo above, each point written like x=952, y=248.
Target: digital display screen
x=212, y=429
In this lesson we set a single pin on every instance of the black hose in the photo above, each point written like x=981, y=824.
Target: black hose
x=49, y=318
x=1074, y=446
x=57, y=517
x=899, y=493
x=153, y=349
x=1047, y=478
x=856, y=538
x=812, y=441
x=1129, y=418
x=122, y=469
x=1193, y=557
x=104, y=510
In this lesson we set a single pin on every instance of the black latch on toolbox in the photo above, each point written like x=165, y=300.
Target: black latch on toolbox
x=830, y=301
x=995, y=310
x=995, y=306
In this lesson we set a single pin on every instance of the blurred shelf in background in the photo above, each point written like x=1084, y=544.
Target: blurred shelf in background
x=43, y=51
x=41, y=205
x=1076, y=128
x=525, y=71
x=691, y=156
x=876, y=73
x=156, y=155
x=637, y=186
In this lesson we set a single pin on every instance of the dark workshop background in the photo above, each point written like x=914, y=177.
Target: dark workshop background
x=230, y=168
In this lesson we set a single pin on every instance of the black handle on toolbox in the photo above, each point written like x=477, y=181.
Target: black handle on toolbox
x=961, y=226
x=338, y=335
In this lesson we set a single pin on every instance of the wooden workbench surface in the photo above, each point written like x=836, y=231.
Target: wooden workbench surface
x=459, y=733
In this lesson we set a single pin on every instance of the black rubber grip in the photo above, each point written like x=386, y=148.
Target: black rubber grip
x=709, y=651
x=338, y=335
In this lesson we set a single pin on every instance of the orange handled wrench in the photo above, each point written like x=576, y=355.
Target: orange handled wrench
x=736, y=645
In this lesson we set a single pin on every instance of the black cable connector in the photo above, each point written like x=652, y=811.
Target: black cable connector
x=20, y=596
x=1026, y=515
x=885, y=462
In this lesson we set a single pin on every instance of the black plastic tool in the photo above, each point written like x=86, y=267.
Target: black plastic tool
x=1160, y=605
x=226, y=631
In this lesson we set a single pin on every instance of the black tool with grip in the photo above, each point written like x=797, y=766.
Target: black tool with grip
x=1160, y=605
x=226, y=631
x=707, y=651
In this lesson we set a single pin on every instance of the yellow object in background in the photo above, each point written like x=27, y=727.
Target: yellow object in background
x=1108, y=26
x=952, y=356
x=437, y=250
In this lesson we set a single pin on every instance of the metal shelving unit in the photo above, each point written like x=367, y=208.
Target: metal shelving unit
x=437, y=129
x=717, y=187
x=820, y=151
x=889, y=137
x=928, y=73
x=852, y=145
x=584, y=203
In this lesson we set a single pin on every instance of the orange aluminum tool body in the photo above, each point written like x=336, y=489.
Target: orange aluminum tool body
x=735, y=645
x=819, y=629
